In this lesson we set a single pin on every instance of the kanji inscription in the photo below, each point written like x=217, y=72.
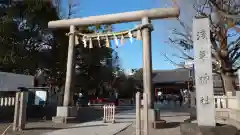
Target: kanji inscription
x=204, y=79
x=201, y=35
x=203, y=54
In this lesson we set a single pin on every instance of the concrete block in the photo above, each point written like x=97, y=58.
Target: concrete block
x=234, y=114
x=65, y=114
x=222, y=113
x=151, y=114
x=63, y=120
x=229, y=94
x=59, y=120
x=64, y=111
x=159, y=124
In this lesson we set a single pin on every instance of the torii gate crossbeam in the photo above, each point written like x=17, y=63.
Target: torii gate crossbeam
x=158, y=13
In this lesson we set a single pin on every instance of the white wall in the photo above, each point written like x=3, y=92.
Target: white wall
x=11, y=81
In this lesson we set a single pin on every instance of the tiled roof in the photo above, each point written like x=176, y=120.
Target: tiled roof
x=183, y=75
x=168, y=76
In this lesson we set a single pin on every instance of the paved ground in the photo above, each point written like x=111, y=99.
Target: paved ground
x=42, y=127
x=172, y=114
x=125, y=124
x=34, y=128
x=123, y=120
x=173, y=129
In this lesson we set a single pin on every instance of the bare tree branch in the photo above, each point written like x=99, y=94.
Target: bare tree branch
x=223, y=53
x=171, y=61
x=234, y=46
x=183, y=53
x=236, y=57
x=233, y=14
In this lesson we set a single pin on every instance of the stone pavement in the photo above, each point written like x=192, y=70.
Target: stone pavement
x=174, y=115
x=123, y=121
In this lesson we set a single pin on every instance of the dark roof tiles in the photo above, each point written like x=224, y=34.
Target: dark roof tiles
x=176, y=75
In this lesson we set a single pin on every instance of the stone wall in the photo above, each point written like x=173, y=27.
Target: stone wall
x=35, y=113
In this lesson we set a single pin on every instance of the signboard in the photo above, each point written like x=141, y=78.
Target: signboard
x=40, y=97
x=203, y=72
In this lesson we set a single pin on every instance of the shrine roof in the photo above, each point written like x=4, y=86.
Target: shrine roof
x=175, y=75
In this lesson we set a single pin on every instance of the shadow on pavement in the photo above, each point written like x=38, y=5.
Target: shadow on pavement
x=55, y=128
x=174, y=115
x=171, y=125
x=43, y=128
x=125, y=118
x=124, y=122
x=190, y=119
x=42, y=113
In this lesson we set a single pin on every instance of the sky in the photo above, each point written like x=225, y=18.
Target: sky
x=131, y=54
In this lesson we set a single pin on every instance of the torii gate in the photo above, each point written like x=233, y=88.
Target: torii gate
x=143, y=15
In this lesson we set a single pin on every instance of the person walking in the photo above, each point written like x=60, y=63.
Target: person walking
x=180, y=99
x=75, y=98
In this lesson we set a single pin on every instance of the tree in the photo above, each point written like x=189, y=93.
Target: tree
x=24, y=36
x=138, y=77
x=27, y=44
x=225, y=38
x=95, y=67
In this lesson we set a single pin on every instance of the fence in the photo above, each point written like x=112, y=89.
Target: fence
x=227, y=107
x=225, y=102
x=7, y=101
x=109, y=113
x=7, y=104
x=221, y=102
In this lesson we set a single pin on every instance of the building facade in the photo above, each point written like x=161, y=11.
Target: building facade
x=172, y=81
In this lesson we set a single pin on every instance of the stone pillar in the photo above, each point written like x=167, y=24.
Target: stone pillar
x=64, y=112
x=23, y=110
x=229, y=94
x=147, y=66
x=238, y=92
x=193, y=106
x=239, y=79
x=16, y=112
x=70, y=66
x=203, y=72
x=193, y=99
x=145, y=114
x=147, y=61
x=238, y=98
x=138, y=113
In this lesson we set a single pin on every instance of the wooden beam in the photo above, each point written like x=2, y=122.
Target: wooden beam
x=152, y=14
